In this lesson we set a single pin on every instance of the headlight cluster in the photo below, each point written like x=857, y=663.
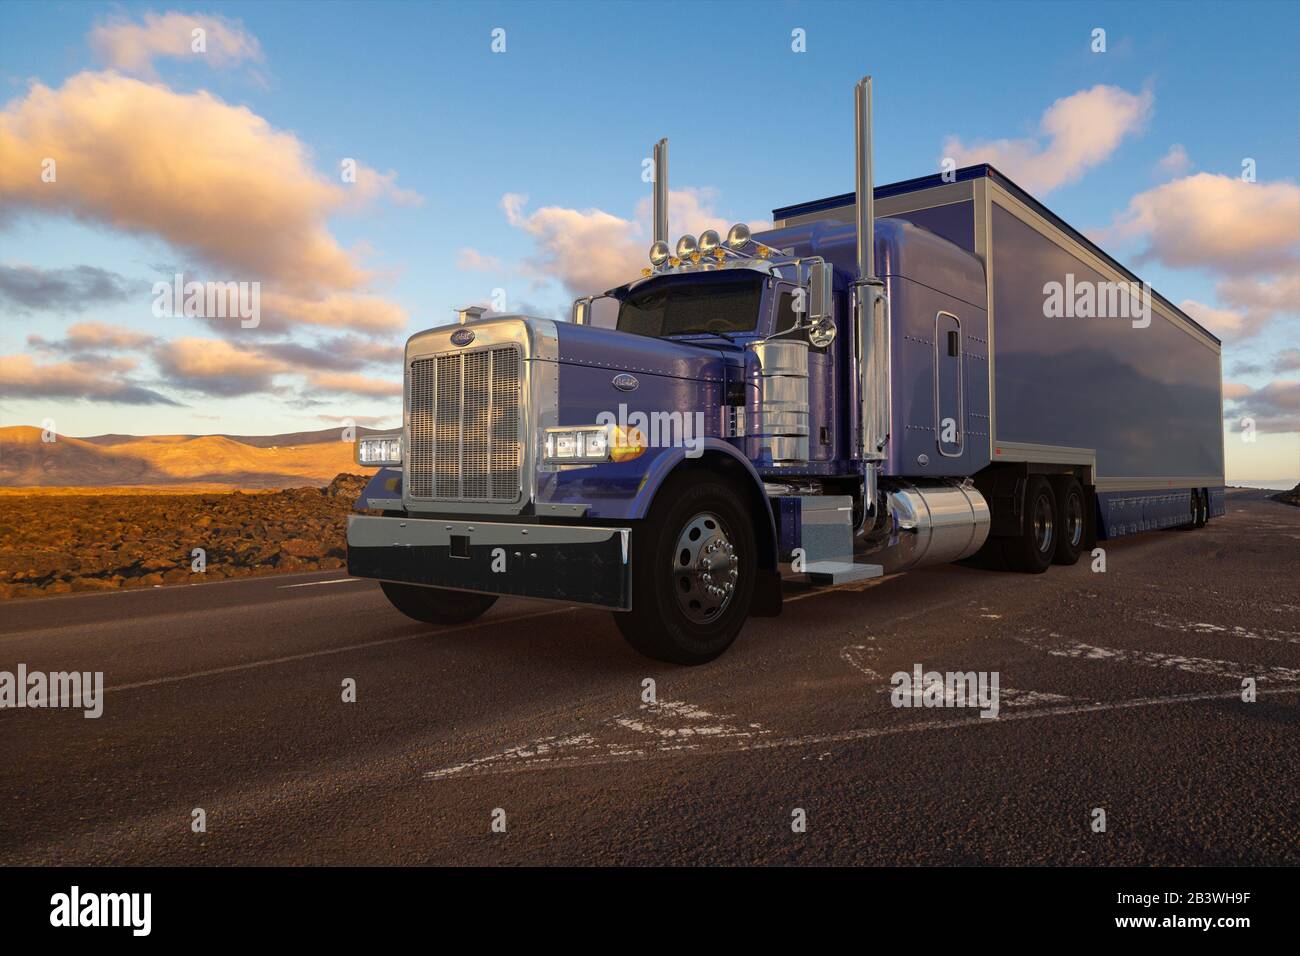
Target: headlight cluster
x=592, y=443
x=379, y=450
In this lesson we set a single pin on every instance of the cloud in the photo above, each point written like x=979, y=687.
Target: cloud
x=471, y=260
x=1175, y=162
x=1245, y=234
x=1263, y=299
x=22, y=378
x=214, y=180
x=1288, y=360
x=368, y=421
x=590, y=250
x=215, y=367
x=1225, y=323
x=73, y=289
x=1275, y=407
x=132, y=47
x=92, y=337
x=1081, y=130
x=340, y=353
x=354, y=384
x=1215, y=221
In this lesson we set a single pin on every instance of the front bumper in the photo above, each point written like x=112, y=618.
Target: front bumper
x=559, y=562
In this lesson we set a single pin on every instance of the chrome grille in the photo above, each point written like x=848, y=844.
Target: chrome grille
x=464, y=418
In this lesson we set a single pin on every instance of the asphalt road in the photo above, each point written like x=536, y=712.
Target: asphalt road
x=1118, y=690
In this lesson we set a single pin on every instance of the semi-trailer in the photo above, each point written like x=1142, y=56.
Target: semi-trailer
x=930, y=371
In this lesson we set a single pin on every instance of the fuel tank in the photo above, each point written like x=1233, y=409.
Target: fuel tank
x=922, y=523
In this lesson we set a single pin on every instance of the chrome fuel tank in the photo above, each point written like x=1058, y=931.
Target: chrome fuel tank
x=931, y=523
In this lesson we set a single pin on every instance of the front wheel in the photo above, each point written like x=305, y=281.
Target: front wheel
x=436, y=605
x=694, y=563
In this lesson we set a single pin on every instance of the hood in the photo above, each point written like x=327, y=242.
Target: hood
x=624, y=352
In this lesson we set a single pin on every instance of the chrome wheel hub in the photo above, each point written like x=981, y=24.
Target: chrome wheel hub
x=1074, y=520
x=705, y=568
x=1043, y=524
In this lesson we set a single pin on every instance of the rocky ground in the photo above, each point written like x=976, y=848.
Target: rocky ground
x=1291, y=497
x=59, y=544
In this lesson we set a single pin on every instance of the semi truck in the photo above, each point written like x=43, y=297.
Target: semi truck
x=937, y=370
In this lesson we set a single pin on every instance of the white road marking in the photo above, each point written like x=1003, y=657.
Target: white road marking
x=1179, y=662
x=1196, y=627
x=670, y=726
x=497, y=764
x=307, y=655
x=857, y=656
x=312, y=584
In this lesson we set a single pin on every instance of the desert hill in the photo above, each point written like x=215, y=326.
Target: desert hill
x=210, y=462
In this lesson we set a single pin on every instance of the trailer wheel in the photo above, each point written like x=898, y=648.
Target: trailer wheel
x=1071, y=520
x=436, y=605
x=694, y=564
x=1202, y=498
x=1032, y=551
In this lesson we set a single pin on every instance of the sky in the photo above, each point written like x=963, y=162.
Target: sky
x=372, y=166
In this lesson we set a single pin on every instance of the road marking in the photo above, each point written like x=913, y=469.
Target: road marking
x=235, y=668
x=670, y=726
x=312, y=584
x=591, y=756
x=1195, y=627
x=1179, y=662
x=856, y=656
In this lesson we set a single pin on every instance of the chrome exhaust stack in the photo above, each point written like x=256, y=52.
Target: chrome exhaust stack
x=870, y=317
x=661, y=190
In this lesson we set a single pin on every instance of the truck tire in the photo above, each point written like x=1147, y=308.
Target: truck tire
x=1033, y=549
x=1196, y=514
x=694, y=564
x=436, y=605
x=1071, y=520
x=1202, y=507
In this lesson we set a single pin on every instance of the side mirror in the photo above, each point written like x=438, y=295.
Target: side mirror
x=581, y=314
x=821, y=298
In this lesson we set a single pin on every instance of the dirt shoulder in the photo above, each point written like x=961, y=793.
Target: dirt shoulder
x=55, y=544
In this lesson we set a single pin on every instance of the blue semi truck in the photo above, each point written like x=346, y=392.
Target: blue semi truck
x=931, y=371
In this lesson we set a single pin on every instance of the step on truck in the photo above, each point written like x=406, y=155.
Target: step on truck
x=932, y=371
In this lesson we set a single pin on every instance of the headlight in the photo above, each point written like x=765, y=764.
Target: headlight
x=378, y=450
x=591, y=444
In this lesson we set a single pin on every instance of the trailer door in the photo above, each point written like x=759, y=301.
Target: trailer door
x=948, y=387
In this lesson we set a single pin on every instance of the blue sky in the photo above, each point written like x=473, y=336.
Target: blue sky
x=566, y=115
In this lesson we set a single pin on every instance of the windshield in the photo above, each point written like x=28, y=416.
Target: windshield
x=723, y=302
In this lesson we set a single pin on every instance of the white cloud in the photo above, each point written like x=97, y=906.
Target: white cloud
x=590, y=250
x=1080, y=130
x=132, y=47
x=1176, y=162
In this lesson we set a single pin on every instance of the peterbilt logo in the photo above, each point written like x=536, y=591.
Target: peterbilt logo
x=462, y=337
x=625, y=382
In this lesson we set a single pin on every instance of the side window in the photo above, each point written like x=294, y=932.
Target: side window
x=786, y=317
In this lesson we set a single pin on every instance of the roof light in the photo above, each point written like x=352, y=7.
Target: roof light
x=738, y=236
x=709, y=241
x=659, y=253
x=685, y=246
